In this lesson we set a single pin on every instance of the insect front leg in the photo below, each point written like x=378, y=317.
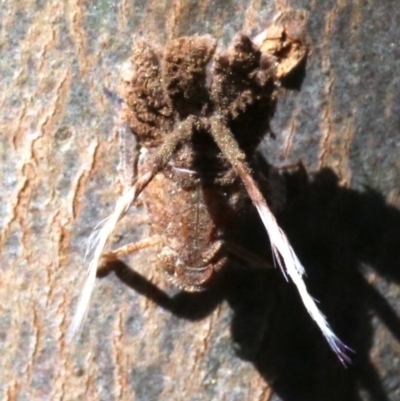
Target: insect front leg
x=132, y=247
x=128, y=154
x=253, y=259
x=127, y=141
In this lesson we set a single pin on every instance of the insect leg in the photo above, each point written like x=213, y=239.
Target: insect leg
x=128, y=146
x=247, y=256
x=128, y=154
x=132, y=247
x=281, y=248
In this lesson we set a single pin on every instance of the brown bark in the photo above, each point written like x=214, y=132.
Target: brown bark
x=58, y=169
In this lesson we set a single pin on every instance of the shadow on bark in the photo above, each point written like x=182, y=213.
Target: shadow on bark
x=334, y=231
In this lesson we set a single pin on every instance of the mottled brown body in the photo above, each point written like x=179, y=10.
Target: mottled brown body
x=197, y=201
x=195, y=220
x=197, y=114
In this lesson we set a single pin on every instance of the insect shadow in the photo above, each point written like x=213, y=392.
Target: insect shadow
x=335, y=232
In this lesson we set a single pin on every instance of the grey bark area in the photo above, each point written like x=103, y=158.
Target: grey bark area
x=250, y=338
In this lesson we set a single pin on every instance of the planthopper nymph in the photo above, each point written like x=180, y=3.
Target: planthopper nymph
x=192, y=117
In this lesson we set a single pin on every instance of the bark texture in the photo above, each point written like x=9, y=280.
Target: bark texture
x=249, y=338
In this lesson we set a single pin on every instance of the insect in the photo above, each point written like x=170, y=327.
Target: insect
x=191, y=120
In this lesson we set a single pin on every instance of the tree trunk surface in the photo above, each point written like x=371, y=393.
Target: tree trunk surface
x=249, y=338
